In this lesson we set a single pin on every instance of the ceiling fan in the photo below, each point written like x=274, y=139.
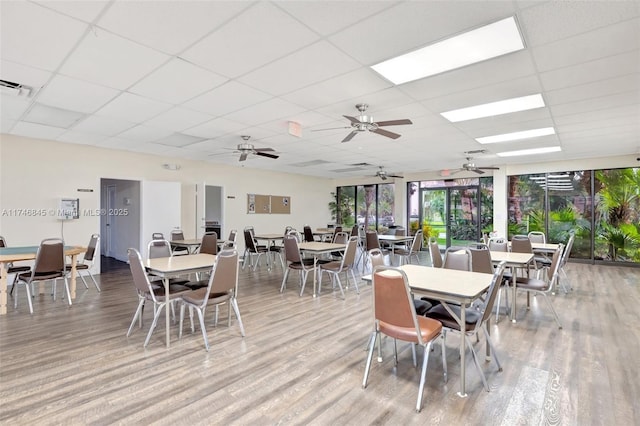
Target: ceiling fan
x=384, y=175
x=365, y=123
x=469, y=166
x=246, y=148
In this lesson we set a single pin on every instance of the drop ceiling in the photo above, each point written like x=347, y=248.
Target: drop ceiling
x=186, y=79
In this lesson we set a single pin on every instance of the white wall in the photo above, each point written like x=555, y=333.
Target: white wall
x=35, y=173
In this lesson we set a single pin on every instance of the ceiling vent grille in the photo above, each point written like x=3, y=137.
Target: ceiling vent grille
x=15, y=89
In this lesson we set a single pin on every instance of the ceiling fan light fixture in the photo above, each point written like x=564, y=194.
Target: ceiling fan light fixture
x=480, y=44
x=491, y=109
x=516, y=136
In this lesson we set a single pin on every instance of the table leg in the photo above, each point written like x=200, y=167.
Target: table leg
x=513, y=298
x=463, y=392
x=3, y=288
x=72, y=284
x=167, y=307
x=487, y=347
x=315, y=270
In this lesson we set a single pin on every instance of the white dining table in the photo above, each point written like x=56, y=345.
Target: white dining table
x=513, y=261
x=170, y=267
x=317, y=248
x=448, y=285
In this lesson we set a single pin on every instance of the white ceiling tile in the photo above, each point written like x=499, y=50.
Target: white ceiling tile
x=107, y=126
x=111, y=61
x=176, y=82
x=133, y=108
x=178, y=119
x=302, y=68
x=603, y=42
x=360, y=82
x=178, y=139
x=628, y=98
x=602, y=115
x=37, y=131
x=6, y=124
x=168, y=26
x=51, y=116
x=12, y=107
x=258, y=36
x=507, y=123
x=145, y=133
x=86, y=11
x=23, y=74
x=600, y=69
x=264, y=112
x=553, y=20
x=227, y=98
x=415, y=24
x=329, y=17
x=75, y=95
x=82, y=138
x=35, y=36
x=214, y=128
x=593, y=90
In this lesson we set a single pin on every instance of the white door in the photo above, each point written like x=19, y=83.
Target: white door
x=160, y=210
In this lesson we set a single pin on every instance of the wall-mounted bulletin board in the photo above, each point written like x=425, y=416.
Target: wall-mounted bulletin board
x=267, y=204
x=280, y=204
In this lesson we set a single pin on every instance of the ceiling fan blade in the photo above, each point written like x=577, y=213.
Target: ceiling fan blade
x=386, y=133
x=350, y=136
x=396, y=176
x=394, y=122
x=264, y=154
x=478, y=171
x=243, y=156
x=489, y=168
x=450, y=172
x=263, y=149
x=352, y=119
x=331, y=128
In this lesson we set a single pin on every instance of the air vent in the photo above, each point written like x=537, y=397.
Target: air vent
x=15, y=89
x=361, y=165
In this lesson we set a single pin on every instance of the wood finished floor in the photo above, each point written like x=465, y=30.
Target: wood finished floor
x=302, y=362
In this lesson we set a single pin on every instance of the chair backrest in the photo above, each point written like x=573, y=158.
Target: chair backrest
x=537, y=237
x=457, y=258
x=209, y=244
x=342, y=237
x=177, y=234
x=400, y=231
x=224, y=275
x=308, y=233
x=376, y=258
x=521, y=244
x=434, y=253
x=140, y=277
x=392, y=299
x=567, y=250
x=554, y=269
x=492, y=292
x=481, y=259
x=349, y=258
x=498, y=244
x=3, y=243
x=354, y=230
x=157, y=236
x=249, y=242
x=372, y=240
x=232, y=235
x=158, y=248
x=50, y=257
x=291, y=249
x=91, y=248
x=416, y=245
x=296, y=234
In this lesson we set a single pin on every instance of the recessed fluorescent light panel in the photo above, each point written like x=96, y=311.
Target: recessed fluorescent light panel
x=516, y=136
x=506, y=106
x=532, y=151
x=474, y=46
